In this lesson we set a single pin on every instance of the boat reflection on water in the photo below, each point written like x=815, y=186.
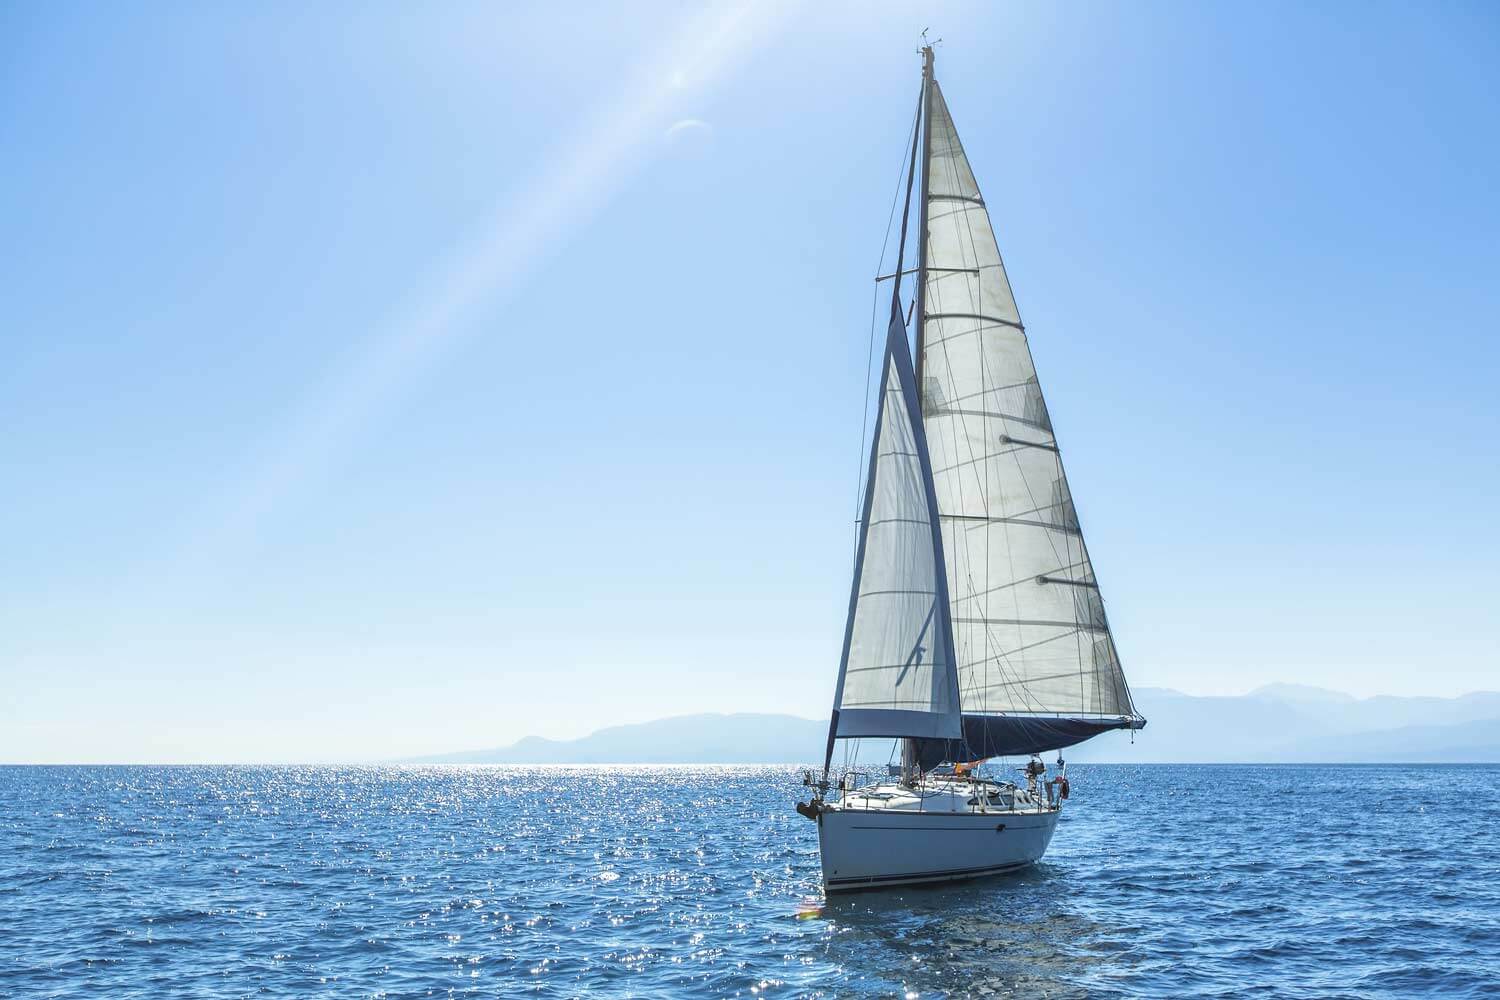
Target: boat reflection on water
x=992, y=936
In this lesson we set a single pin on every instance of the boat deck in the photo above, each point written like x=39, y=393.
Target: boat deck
x=943, y=795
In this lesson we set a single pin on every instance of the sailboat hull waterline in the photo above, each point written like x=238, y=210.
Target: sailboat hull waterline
x=879, y=848
x=976, y=628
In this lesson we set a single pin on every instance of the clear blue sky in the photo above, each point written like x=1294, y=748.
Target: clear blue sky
x=377, y=380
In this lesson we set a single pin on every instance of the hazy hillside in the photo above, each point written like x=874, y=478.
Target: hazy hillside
x=687, y=739
x=1285, y=722
x=1280, y=722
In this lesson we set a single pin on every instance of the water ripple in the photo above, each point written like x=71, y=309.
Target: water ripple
x=650, y=881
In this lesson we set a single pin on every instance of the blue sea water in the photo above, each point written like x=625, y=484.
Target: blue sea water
x=662, y=881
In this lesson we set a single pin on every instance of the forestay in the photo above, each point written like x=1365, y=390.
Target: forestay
x=897, y=674
x=1030, y=634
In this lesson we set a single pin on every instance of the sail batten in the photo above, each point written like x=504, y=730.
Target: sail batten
x=1035, y=659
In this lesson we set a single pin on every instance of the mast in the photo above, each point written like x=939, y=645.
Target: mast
x=921, y=312
x=909, y=755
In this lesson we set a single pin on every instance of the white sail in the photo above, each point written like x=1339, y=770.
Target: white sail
x=897, y=677
x=1030, y=633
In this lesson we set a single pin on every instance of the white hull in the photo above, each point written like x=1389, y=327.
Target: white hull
x=866, y=848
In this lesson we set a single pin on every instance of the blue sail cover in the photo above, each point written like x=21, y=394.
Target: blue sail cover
x=1015, y=736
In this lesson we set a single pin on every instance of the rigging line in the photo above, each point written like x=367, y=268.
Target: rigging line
x=862, y=533
x=1021, y=447
x=972, y=246
x=859, y=479
x=924, y=231
x=1036, y=517
x=1010, y=680
x=1061, y=472
x=1053, y=677
x=977, y=283
x=981, y=393
x=959, y=485
x=930, y=498
x=999, y=658
x=1011, y=677
x=972, y=276
x=969, y=255
x=899, y=520
x=1015, y=583
x=1011, y=674
x=973, y=522
x=970, y=281
x=1037, y=644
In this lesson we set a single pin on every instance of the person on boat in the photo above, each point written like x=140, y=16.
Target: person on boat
x=1034, y=770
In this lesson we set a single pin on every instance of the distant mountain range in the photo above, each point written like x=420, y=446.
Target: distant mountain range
x=684, y=739
x=1276, y=723
x=1289, y=722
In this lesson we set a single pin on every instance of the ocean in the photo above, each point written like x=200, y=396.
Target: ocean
x=1162, y=881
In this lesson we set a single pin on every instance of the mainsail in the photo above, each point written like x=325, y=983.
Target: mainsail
x=1037, y=666
x=976, y=627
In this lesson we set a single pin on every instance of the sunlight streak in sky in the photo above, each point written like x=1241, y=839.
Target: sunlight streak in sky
x=534, y=222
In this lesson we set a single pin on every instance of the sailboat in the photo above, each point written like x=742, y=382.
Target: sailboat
x=976, y=629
